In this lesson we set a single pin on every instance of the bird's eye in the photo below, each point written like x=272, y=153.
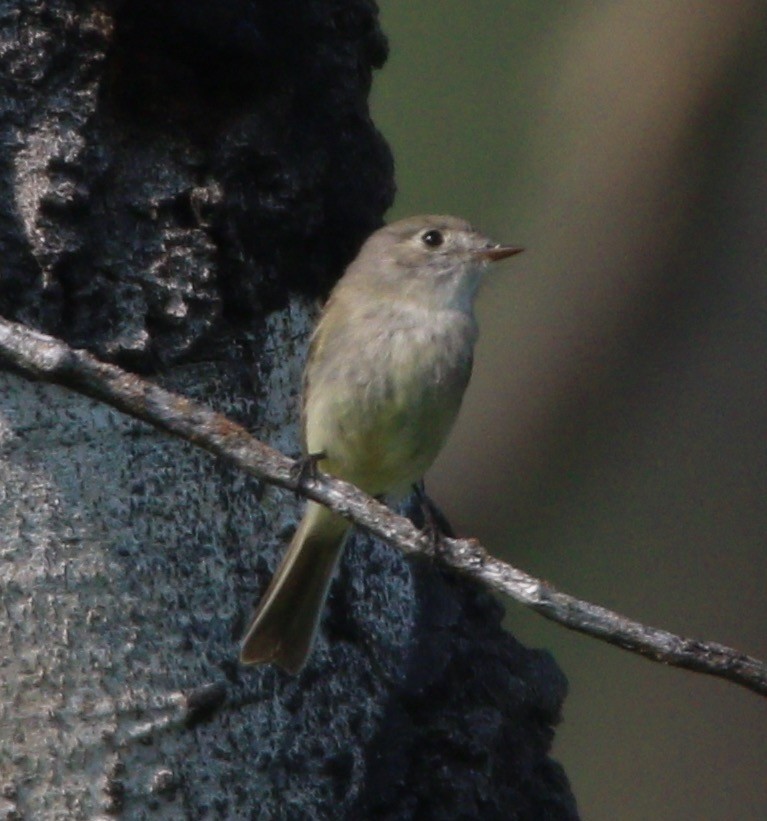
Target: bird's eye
x=433, y=238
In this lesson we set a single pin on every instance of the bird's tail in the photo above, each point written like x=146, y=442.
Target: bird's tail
x=285, y=623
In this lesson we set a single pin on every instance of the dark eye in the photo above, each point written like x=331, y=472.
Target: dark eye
x=433, y=238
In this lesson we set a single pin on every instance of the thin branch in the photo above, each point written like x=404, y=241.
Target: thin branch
x=42, y=357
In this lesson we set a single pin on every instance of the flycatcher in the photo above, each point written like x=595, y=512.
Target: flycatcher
x=388, y=364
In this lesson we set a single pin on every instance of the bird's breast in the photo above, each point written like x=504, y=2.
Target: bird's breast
x=382, y=402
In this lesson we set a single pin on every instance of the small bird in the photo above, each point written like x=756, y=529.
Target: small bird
x=387, y=368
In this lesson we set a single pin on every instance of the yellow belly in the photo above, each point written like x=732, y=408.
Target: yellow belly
x=383, y=420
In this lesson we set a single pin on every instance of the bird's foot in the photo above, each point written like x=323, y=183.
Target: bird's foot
x=306, y=469
x=433, y=523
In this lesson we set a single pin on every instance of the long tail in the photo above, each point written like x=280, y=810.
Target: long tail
x=285, y=623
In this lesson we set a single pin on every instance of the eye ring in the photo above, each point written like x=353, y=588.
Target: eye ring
x=432, y=238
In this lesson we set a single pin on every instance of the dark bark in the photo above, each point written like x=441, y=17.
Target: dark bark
x=178, y=181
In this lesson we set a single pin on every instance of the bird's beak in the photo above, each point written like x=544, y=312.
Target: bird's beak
x=496, y=252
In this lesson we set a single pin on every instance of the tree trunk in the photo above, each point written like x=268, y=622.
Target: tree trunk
x=181, y=181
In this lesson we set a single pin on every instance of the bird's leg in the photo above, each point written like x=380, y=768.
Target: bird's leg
x=306, y=468
x=434, y=524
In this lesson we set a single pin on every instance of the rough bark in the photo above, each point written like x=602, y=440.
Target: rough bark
x=178, y=182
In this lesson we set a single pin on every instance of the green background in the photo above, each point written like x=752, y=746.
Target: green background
x=614, y=438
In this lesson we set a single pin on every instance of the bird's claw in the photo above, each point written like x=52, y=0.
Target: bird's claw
x=306, y=469
x=433, y=525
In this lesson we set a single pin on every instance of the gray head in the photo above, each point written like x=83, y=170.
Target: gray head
x=437, y=261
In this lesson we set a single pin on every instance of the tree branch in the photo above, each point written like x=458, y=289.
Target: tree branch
x=42, y=357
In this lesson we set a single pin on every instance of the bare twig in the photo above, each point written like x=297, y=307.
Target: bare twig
x=43, y=357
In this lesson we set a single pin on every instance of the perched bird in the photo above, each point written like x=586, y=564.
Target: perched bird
x=387, y=368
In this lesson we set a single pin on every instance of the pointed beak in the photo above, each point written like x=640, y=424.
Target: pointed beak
x=496, y=252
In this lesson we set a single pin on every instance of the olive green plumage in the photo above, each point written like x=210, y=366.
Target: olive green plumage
x=388, y=365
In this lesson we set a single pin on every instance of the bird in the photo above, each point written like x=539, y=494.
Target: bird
x=388, y=364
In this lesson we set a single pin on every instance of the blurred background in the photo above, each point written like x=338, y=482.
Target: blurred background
x=614, y=437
